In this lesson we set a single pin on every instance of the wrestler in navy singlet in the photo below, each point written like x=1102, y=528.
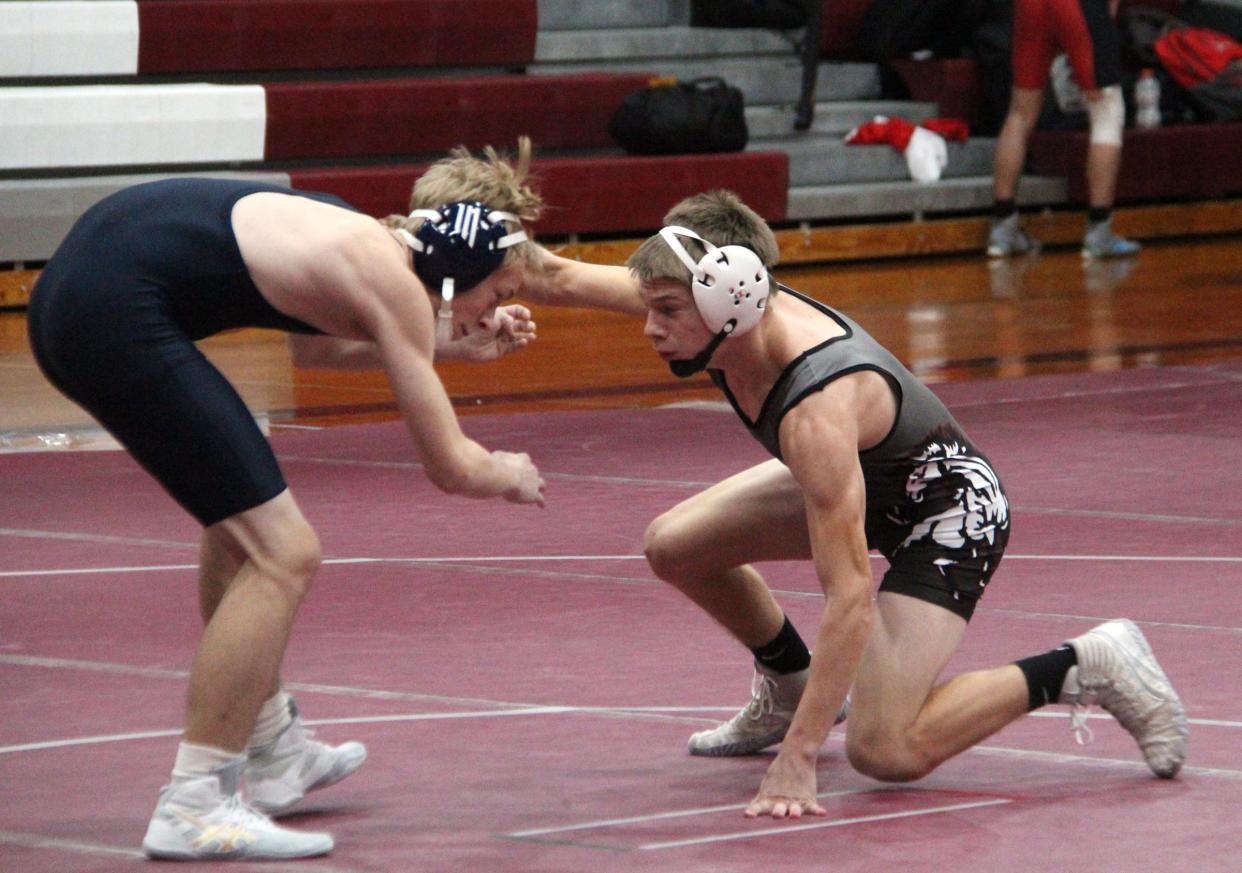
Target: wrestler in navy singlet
x=113, y=319
x=935, y=507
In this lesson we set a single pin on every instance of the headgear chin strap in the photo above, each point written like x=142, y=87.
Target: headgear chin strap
x=456, y=247
x=730, y=287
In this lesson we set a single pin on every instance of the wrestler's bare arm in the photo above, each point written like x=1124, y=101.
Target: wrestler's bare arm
x=509, y=329
x=819, y=441
x=558, y=281
x=398, y=316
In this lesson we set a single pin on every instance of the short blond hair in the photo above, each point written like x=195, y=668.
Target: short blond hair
x=494, y=180
x=721, y=218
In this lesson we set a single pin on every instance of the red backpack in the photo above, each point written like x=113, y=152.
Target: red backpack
x=1194, y=55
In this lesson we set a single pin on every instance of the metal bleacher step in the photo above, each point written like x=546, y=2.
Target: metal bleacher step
x=673, y=43
x=765, y=123
x=761, y=80
x=596, y=15
x=828, y=179
x=825, y=159
x=763, y=64
x=907, y=198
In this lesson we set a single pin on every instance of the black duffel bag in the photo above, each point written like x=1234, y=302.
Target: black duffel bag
x=670, y=117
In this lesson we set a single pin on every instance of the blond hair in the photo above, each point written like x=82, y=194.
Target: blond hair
x=492, y=180
x=721, y=218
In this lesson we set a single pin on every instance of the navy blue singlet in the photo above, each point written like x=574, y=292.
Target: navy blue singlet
x=113, y=318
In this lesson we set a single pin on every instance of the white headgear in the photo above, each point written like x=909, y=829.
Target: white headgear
x=730, y=283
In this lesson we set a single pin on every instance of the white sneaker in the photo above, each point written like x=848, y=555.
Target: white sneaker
x=206, y=819
x=280, y=774
x=1117, y=671
x=1006, y=238
x=761, y=723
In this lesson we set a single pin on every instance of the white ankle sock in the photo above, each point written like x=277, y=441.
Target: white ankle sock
x=194, y=761
x=275, y=716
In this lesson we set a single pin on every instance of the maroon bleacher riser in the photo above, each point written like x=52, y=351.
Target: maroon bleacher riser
x=632, y=194
x=421, y=116
x=589, y=195
x=243, y=35
x=1176, y=162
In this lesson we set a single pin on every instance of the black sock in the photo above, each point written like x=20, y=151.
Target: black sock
x=786, y=653
x=1045, y=674
x=1004, y=208
x=1099, y=213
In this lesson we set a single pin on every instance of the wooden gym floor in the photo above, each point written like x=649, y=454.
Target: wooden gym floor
x=948, y=318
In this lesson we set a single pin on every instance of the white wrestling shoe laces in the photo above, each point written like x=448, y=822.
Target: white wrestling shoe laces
x=279, y=775
x=206, y=819
x=1118, y=672
x=761, y=723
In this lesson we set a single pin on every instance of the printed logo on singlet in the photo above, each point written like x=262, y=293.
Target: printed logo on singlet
x=970, y=509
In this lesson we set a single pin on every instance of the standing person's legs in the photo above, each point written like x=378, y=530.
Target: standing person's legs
x=1103, y=166
x=1107, y=112
x=1024, y=108
x=238, y=661
x=1031, y=55
x=284, y=761
x=256, y=569
x=1006, y=237
x=106, y=336
x=1086, y=30
x=704, y=547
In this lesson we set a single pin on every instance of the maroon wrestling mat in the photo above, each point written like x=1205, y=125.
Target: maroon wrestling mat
x=525, y=686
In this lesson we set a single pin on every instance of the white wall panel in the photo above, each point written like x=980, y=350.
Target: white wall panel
x=69, y=38
x=118, y=125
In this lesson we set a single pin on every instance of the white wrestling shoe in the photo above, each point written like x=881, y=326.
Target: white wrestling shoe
x=1117, y=671
x=279, y=775
x=206, y=820
x=761, y=723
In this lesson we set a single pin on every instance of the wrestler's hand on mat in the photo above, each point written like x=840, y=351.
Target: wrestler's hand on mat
x=788, y=789
x=527, y=483
x=507, y=330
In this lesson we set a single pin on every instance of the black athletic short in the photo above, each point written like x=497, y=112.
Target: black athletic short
x=946, y=540
x=113, y=319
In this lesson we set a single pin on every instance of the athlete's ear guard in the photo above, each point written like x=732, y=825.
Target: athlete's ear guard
x=730, y=284
x=458, y=246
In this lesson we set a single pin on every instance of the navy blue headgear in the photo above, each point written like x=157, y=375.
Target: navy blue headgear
x=459, y=245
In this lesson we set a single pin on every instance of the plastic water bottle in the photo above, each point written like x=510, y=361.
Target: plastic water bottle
x=1147, y=100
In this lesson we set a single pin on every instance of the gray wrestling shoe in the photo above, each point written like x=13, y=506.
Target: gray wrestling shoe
x=1100, y=242
x=1006, y=238
x=761, y=723
x=1117, y=671
x=281, y=773
x=206, y=819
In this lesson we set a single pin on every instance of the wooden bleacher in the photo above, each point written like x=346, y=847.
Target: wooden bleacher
x=1177, y=162
x=354, y=97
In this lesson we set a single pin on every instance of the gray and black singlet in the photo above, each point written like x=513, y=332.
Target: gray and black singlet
x=113, y=318
x=935, y=507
